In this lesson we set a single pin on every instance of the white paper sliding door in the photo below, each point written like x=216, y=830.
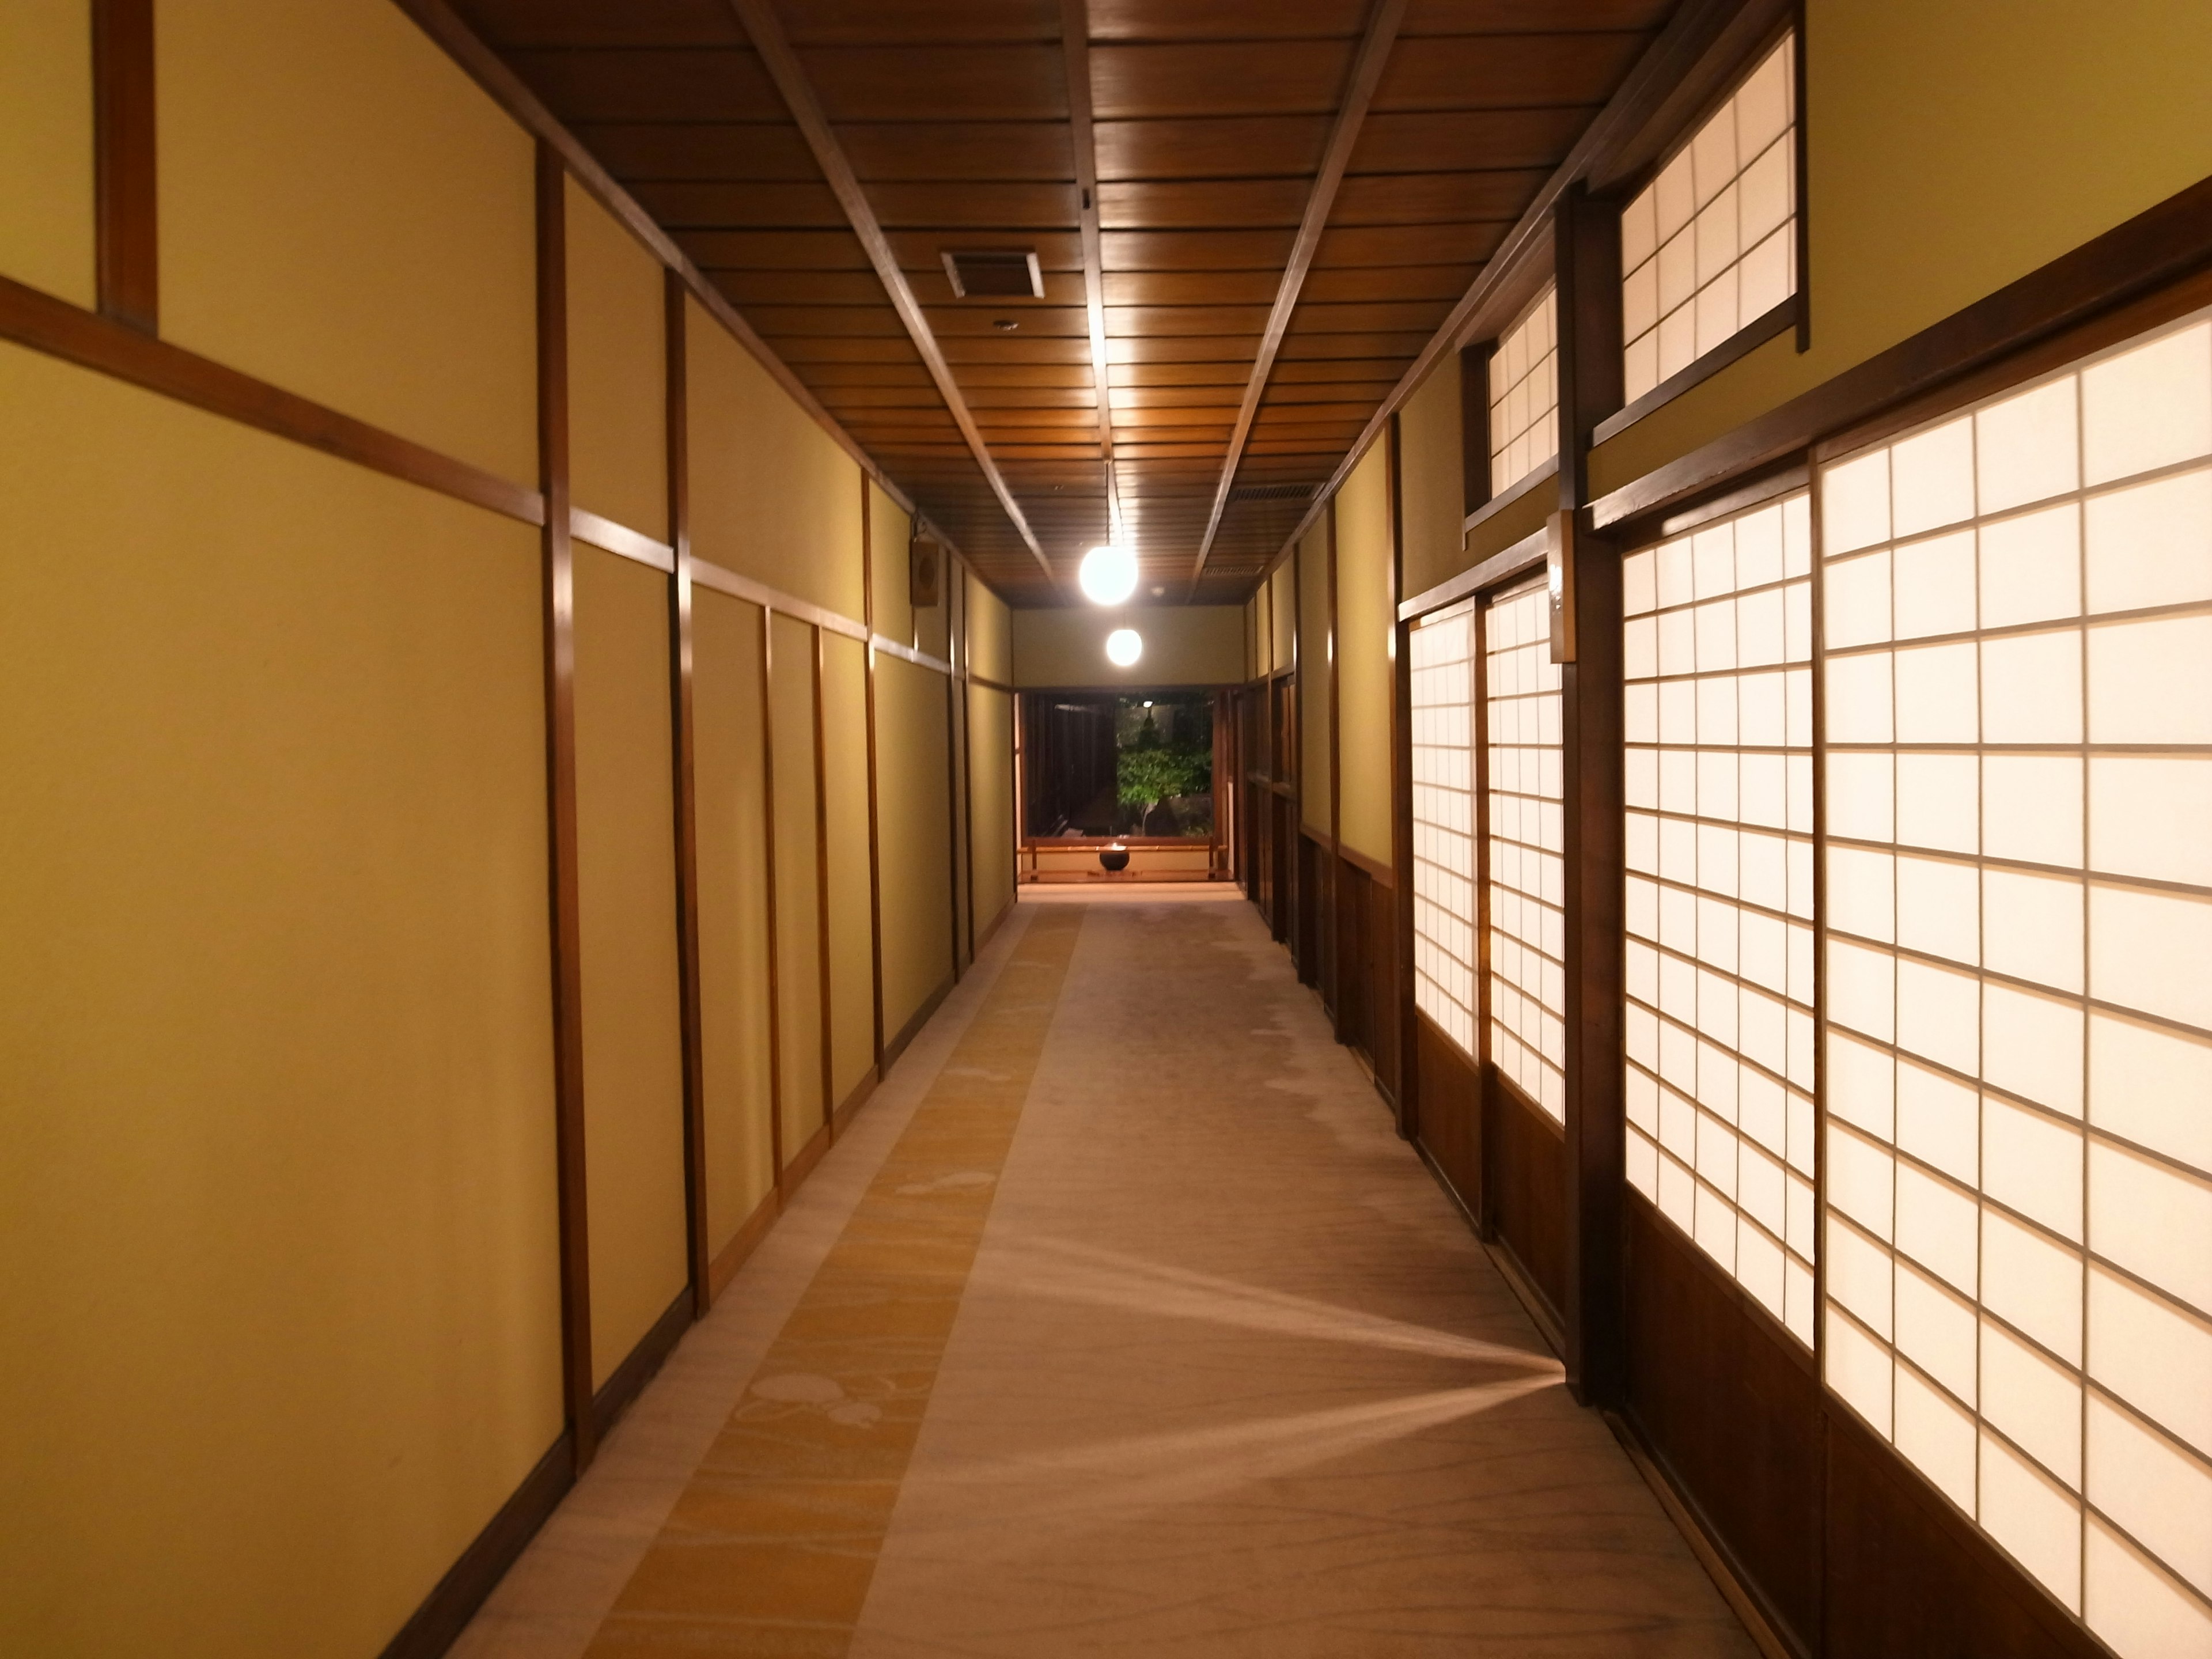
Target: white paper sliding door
x=1525, y=840
x=1446, y=960
x=1718, y=720
x=2017, y=606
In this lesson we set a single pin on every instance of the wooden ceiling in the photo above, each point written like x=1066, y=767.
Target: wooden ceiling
x=1290, y=197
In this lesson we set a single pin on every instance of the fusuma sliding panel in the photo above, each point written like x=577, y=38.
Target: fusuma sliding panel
x=2018, y=628
x=1525, y=831
x=1719, y=790
x=1444, y=958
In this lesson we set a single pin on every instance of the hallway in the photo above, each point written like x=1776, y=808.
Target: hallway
x=1121, y=1322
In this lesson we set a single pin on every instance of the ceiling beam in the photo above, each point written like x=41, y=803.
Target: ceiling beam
x=1075, y=40
x=759, y=20
x=1366, y=70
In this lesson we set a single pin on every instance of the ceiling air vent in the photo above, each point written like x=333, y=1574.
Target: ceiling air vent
x=1271, y=492
x=980, y=274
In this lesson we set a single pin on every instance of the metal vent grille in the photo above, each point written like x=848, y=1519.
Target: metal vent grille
x=977, y=273
x=1272, y=492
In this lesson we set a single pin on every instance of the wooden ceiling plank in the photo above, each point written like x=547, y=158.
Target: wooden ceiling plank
x=1366, y=74
x=1075, y=53
x=782, y=63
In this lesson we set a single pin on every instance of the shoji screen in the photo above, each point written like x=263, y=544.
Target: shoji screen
x=1443, y=670
x=1524, y=394
x=2018, y=628
x=1719, y=788
x=1710, y=245
x=1525, y=838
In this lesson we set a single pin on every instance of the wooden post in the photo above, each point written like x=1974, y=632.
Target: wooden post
x=1587, y=238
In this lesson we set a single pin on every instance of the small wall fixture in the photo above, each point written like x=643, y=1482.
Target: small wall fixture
x=1123, y=647
x=1109, y=575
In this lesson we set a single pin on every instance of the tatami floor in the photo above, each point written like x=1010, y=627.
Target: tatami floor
x=1121, y=1324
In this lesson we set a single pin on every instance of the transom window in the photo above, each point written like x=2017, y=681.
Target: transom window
x=1524, y=394
x=1710, y=245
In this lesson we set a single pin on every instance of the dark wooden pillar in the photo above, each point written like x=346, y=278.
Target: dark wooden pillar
x=1586, y=641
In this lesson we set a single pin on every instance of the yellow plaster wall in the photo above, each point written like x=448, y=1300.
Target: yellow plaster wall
x=1515, y=522
x=626, y=889
x=991, y=801
x=914, y=843
x=797, y=898
x=343, y=212
x=890, y=528
x=1954, y=148
x=990, y=635
x=279, y=1323
x=47, y=147
x=1311, y=566
x=1432, y=479
x=734, y=1006
x=1255, y=663
x=1366, y=634
x=772, y=495
x=617, y=372
x=1184, y=645
x=1283, y=613
x=852, y=949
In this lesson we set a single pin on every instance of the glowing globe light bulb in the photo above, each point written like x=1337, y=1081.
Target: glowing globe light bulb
x=1109, y=575
x=1123, y=647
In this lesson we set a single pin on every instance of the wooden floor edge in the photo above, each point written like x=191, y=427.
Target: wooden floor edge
x=742, y=1243
x=802, y=1161
x=1711, y=1555
x=437, y=1624
x=849, y=1108
x=627, y=1380
x=898, y=1045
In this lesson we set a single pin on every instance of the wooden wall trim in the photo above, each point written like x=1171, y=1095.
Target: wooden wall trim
x=2154, y=250
x=1509, y=564
x=620, y=539
x=1332, y=898
x=1382, y=34
x=875, y=810
x=676, y=436
x=621, y=1389
x=437, y=1624
x=803, y=1161
x=127, y=244
x=91, y=341
x=483, y=65
x=782, y=64
x=769, y=894
x=849, y=1108
x=907, y=653
x=821, y=898
x=707, y=574
x=1475, y=426
x=560, y=647
x=1394, y=1004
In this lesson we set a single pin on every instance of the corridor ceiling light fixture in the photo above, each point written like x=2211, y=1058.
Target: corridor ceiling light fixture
x=1109, y=575
x=1123, y=647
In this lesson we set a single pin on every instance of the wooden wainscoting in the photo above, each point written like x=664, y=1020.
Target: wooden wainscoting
x=1311, y=946
x=1728, y=1406
x=1366, y=977
x=1448, y=1118
x=1525, y=1186
x=1839, y=1546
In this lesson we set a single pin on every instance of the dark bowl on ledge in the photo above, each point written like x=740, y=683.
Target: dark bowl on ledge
x=1114, y=859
